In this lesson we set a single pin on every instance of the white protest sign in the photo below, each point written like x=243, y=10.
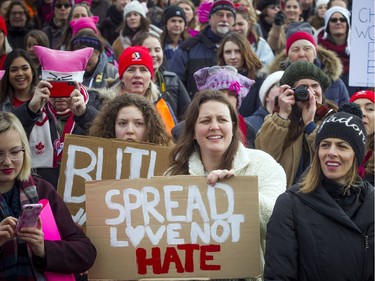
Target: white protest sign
x=362, y=44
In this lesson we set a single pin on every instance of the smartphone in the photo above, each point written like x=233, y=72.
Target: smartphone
x=29, y=215
x=61, y=89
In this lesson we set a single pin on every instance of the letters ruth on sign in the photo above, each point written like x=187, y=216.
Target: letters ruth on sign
x=174, y=227
x=90, y=158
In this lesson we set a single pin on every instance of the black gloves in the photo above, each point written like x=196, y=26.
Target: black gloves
x=279, y=18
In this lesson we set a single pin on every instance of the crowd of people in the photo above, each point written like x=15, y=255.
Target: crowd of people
x=234, y=88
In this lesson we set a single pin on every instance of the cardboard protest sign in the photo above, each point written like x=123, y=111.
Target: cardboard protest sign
x=90, y=158
x=174, y=227
x=362, y=44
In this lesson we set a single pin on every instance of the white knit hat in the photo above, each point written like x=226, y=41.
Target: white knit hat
x=346, y=14
x=321, y=2
x=271, y=80
x=134, y=6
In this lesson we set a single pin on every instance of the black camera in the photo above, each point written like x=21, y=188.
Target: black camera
x=301, y=93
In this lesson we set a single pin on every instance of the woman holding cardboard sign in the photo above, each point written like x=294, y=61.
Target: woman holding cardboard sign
x=210, y=146
x=26, y=254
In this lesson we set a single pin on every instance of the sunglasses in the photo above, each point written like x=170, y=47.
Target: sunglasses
x=215, y=69
x=241, y=8
x=59, y=6
x=335, y=20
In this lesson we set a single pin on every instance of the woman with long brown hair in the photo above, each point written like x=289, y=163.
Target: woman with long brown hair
x=326, y=220
x=211, y=146
x=235, y=50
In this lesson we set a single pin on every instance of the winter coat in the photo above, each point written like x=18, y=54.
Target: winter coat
x=110, y=25
x=122, y=42
x=194, y=54
x=271, y=138
x=100, y=8
x=29, y=119
x=54, y=34
x=311, y=238
x=271, y=180
x=174, y=92
x=257, y=118
x=263, y=51
x=252, y=102
x=16, y=36
x=330, y=64
x=264, y=26
x=74, y=253
x=101, y=74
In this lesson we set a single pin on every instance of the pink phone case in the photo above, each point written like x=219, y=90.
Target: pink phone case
x=29, y=216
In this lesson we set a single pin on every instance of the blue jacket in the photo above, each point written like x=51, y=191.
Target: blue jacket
x=194, y=54
x=257, y=118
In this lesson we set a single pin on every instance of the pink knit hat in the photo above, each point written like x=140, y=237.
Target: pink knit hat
x=223, y=78
x=85, y=22
x=203, y=11
x=63, y=65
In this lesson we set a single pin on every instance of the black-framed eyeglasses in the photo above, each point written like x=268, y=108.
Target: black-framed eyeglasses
x=335, y=20
x=13, y=155
x=59, y=6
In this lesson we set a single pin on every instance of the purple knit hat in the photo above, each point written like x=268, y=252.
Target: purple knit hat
x=223, y=78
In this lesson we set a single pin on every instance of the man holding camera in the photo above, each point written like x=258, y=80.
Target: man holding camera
x=288, y=133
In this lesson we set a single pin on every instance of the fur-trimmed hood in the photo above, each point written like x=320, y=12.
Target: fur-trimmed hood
x=327, y=61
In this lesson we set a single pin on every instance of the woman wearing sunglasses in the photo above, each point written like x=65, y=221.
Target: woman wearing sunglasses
x=54, y=29
x=334, y=37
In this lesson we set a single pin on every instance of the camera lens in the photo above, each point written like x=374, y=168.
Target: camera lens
x=301, y=93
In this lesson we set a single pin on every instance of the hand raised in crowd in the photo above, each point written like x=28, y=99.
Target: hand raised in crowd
x=77, y=102
x=7, y=229
x=286, y=101
x=279, y=18
x=34, y=237
x=309, y=108
x=216, y=175
x=40, y=97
